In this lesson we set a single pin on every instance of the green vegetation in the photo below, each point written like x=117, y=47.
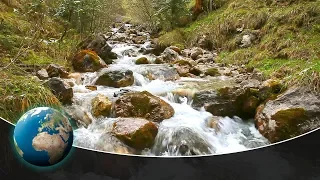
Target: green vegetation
x=21, y=93
x=286, y=37
x=37, y=33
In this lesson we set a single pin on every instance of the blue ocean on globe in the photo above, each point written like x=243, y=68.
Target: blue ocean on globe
x=43, y=136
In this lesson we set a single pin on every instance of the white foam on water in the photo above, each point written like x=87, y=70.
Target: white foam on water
x=233, y=134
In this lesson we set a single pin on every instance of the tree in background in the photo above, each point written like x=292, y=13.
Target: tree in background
x=158, y=14
x=142, y=12
x=171, y=12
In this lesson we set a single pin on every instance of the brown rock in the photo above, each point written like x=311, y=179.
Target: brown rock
x=92, y=88
x=142, y=60
x=101, y=106
x=61, y=90
x=55, y=70
x=176, y=49
x=42, y=74
x=117, y=78
x=87, y=61
x=292, y=113
x=143, y=105
x=137, y=133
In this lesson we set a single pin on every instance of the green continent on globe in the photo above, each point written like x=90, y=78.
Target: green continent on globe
x=43, y=136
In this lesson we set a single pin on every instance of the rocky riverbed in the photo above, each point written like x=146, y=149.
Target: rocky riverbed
x=129, y=95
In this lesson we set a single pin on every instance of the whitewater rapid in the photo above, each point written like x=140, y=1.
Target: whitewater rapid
x=187, y=125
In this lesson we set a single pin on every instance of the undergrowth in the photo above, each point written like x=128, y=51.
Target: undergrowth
x=19, y=93
x=285, y=43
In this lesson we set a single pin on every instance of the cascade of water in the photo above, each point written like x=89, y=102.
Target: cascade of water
x=186, y=133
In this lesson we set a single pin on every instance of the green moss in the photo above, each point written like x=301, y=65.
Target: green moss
x=142, y=60
x=182, y=63
x=10, y=43
x=212, y=72
x=39, y=58
x=287, y=121
x=174, y=38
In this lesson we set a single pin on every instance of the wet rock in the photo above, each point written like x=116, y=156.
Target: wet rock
x=183, y=141
x=109, y=143
x=162, y=72
x=142, y=60
x=159, y=60
x=42, y=74
x=136, y=133
x=76, y=77
x=92, y=88
x=143, y=105
x=116, y=78
x=78, y=114
x=55, y=70
x=122, y=92
x=213, y=122
x=212, y=72
x=87, y=61
x=139, y=39
x=101, y=106
x=292, y=113
x=228, y=101
x=99, y=45
x=130, y=53
x=60, y=89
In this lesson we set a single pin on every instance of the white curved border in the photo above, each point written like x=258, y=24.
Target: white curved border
x=195, y=156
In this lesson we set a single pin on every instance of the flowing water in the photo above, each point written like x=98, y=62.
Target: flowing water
x=187, y=129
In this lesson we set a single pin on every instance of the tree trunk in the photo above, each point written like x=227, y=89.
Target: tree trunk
x=198, y=8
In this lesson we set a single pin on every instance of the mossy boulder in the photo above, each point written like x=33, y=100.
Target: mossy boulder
x=99, y=45
x=116, y=78
x=292, y=113
x=87, y=61
x=212, y=72
x=159, y=60
x=101, y=106
x=269, y=88
x=137, y=133
x=228, y=101
x=143, y=105
x=142, y=60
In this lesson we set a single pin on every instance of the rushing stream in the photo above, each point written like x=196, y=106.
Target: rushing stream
x=188, y=126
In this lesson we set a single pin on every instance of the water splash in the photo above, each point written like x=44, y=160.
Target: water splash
x=188, y=132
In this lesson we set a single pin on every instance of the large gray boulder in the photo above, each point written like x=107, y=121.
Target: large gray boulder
x=292, y=113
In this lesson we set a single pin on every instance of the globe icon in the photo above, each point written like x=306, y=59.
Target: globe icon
x=43, y=136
